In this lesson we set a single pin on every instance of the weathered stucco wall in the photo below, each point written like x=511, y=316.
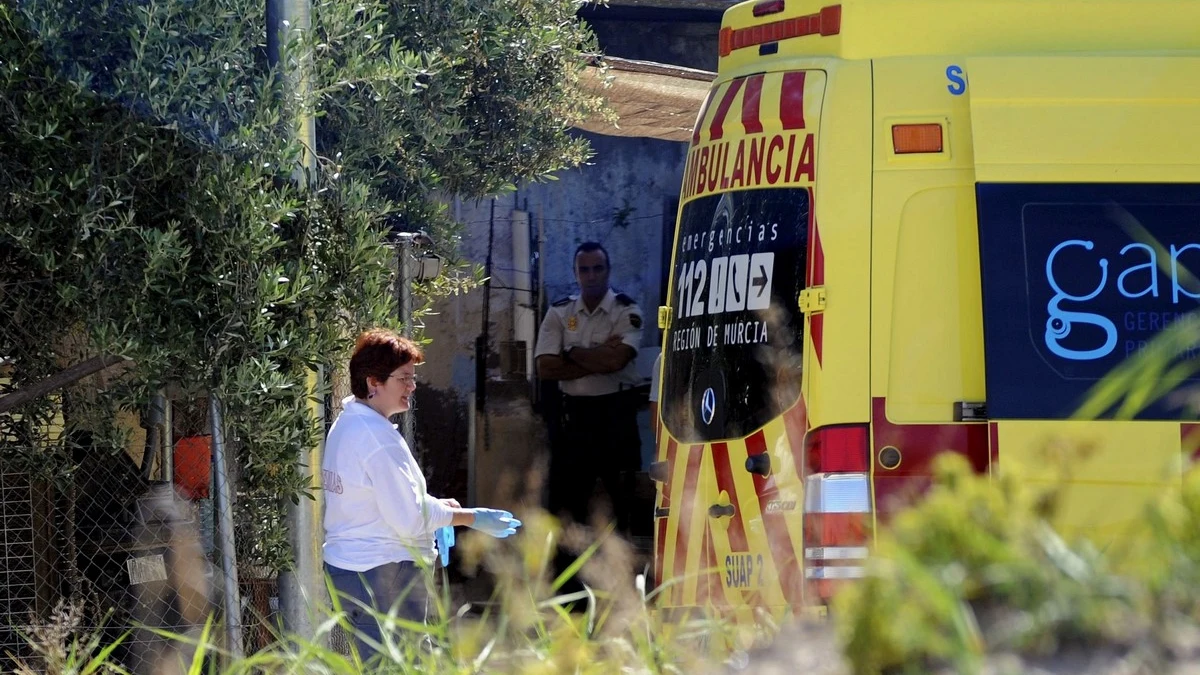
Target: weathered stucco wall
x=621, y=199
x=625, y=198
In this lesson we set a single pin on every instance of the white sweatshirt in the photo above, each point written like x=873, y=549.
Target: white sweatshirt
x=377, y=510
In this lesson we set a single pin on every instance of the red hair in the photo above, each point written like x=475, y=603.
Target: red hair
x=378, y=353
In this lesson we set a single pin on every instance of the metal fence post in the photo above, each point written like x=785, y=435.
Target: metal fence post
x=406, y=312
x=224, y=507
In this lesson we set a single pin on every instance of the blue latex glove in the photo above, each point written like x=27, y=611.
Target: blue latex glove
x=495, y=522
x=445, y=541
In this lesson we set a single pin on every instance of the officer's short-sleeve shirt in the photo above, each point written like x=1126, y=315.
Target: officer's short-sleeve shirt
x=569, y=324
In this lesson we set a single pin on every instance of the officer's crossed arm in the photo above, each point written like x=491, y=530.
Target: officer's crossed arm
x=557, y=361
x=578, y=362
x=620, y=348
x=557, y=367
x=551, y=364
x=602, y=359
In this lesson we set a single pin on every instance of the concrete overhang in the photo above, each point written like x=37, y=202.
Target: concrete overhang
x=650, y=100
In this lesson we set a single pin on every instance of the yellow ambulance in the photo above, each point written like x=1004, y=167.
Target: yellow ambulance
x=914, y=227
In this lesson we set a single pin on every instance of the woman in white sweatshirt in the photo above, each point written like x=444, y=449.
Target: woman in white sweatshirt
x=379, y=519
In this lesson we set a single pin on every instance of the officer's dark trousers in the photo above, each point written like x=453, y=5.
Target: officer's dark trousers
x=599, y=442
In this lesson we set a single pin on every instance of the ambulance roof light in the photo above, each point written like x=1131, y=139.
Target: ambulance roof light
x=826, y=22
x=768, y=7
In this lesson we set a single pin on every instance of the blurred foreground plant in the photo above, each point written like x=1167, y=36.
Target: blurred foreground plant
x=525, y=627
x=970, y=580
x=974, y=570
x=64, y=644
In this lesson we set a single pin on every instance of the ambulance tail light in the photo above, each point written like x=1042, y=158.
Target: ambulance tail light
x=839, y=449
x=837, y=507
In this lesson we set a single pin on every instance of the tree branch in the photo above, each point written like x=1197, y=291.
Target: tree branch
x=59, y=380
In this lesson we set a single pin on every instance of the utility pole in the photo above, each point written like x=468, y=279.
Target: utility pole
x=302, y=588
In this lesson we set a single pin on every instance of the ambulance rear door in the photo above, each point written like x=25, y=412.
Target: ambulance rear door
x=734, y=348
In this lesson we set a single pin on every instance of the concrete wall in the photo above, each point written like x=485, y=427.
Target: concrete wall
x=622, y=199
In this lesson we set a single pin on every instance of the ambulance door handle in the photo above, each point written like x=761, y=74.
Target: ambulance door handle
x=720, y=511
x=759, y=464
x=812, y=300
x=659, y=472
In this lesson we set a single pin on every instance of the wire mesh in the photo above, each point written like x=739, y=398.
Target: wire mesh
x=18, y=589
x=98, y=525
x=106, y=516
x=110, y=511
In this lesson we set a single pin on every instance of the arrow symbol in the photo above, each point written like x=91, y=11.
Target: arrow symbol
x=760, y=281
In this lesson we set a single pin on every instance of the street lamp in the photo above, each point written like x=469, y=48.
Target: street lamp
x=429, y=266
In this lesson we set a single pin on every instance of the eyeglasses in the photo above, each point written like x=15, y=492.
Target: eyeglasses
x=404, y=379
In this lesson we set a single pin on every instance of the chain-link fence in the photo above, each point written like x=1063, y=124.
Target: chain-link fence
x=119, y=518
x=111, y=519
x=102, y=536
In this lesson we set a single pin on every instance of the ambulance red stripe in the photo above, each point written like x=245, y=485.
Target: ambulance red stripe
x=780, y=539
x=660, y=550
x=795, y=421
x=723, y=468
x=664, y=502
x=716, y=130
x=791, y=100
x=1189, y=439
x=700, y=118
x=688, y=501
x=672, y=446
x=751, y=100
x=921, y=444
x=708, y=589
x=816, y=277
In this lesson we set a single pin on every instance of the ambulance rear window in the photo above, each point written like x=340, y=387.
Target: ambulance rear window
x=1090, y=297
x=733, y=350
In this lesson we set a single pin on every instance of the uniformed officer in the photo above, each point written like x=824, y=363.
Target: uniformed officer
x=588, y=343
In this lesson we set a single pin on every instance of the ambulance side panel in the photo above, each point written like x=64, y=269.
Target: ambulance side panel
x=926, y=327
x=1108, y=145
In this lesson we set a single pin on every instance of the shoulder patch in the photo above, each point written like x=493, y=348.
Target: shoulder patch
x=624, y=300
x=560, y=302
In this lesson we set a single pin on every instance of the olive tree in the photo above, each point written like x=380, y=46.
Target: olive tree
x=148, y=212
